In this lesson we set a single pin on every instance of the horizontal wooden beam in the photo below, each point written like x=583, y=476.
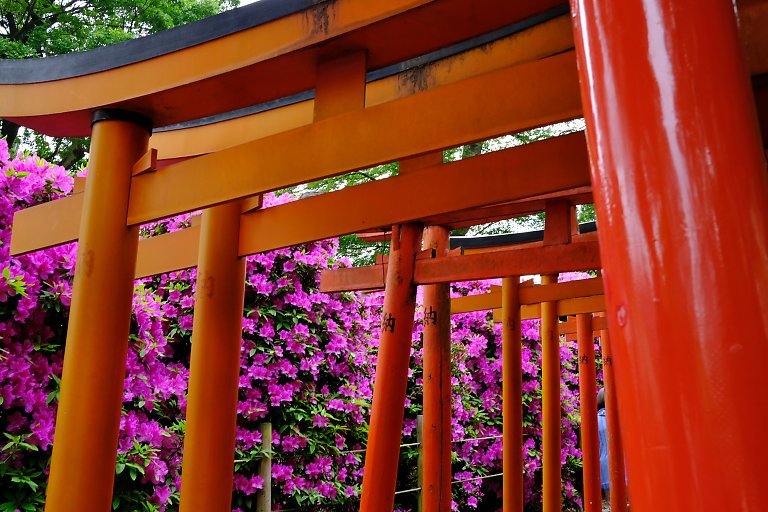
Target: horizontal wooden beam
x=513, y=173
x=442, y=117
x=549, y=38
x=168, y=253
x=555, y=163
x=540, y=260
x=530, y=295
x=495, y=213
x=566, y=307
x=599, y=323
x=47, y=225
x=474, y=109
x=577, y=239
x=540, y=41
x=478, y=302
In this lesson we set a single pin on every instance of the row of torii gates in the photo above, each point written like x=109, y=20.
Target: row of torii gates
x=674, y=93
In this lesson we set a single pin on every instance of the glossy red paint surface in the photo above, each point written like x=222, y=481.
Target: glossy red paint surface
x=681, y=194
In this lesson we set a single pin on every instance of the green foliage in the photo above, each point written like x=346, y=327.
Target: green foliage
x=42, y=28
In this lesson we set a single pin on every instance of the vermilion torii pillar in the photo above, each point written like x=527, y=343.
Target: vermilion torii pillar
x=386, y=425
x=512, y=396
x=681, y=193
x=88, y=418
x=588, y=409
x=616, y=466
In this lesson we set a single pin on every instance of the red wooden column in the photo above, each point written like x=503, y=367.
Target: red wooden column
x=436, y=483
x=590, y=448
x=681, y=194
x=88, y=419
x=512, y=395
x=557, y=231
x=209, y=444
x=550, y=404
x=617, y=474
x=388, y=406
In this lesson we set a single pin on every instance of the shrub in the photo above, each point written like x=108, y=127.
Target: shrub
x=306, y=366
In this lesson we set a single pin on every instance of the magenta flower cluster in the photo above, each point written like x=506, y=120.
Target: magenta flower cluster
x=307, y=366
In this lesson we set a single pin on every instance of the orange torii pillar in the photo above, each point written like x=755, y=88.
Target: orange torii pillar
x=557, y=231
x=550, y=404
x=617, y=475
x=388, y=405
x=512, y=395
x=590, y=448
x=436, y=438
x=88, y=418
x=681, y=193
x=209, y=443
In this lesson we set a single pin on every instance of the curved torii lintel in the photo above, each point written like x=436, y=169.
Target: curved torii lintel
x=252, y=55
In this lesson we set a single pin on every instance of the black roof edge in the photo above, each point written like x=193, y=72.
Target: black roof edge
x=480, y=242
x=58, y=67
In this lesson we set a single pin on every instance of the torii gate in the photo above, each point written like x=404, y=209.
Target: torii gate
x=676, y=156
x=548, y=302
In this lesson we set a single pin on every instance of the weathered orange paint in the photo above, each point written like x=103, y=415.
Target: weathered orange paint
x=209, y=443
x=436, y=436
x=681, y=192
x=85, y=444
x=590, y=447
x=512, y=396
x=537, y=42
x=344, y=143
x=388, y=404
x=550, y=403
x=262, y=63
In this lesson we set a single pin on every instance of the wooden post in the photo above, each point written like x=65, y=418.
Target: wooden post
x=681, y=194
x=264, y=496
x=388, y=405
x=512, y=399
x=88, y=418
x=420, y=460
x=557, y=231
x=436, y=489
x=550, y=398
x=590, y=448
x=209, y=444
x=615, y=446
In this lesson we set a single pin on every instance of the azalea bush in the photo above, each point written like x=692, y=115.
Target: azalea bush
x=476, y=379
x=307, y=366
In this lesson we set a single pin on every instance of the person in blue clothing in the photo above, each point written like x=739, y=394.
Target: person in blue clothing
x=602, y=435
